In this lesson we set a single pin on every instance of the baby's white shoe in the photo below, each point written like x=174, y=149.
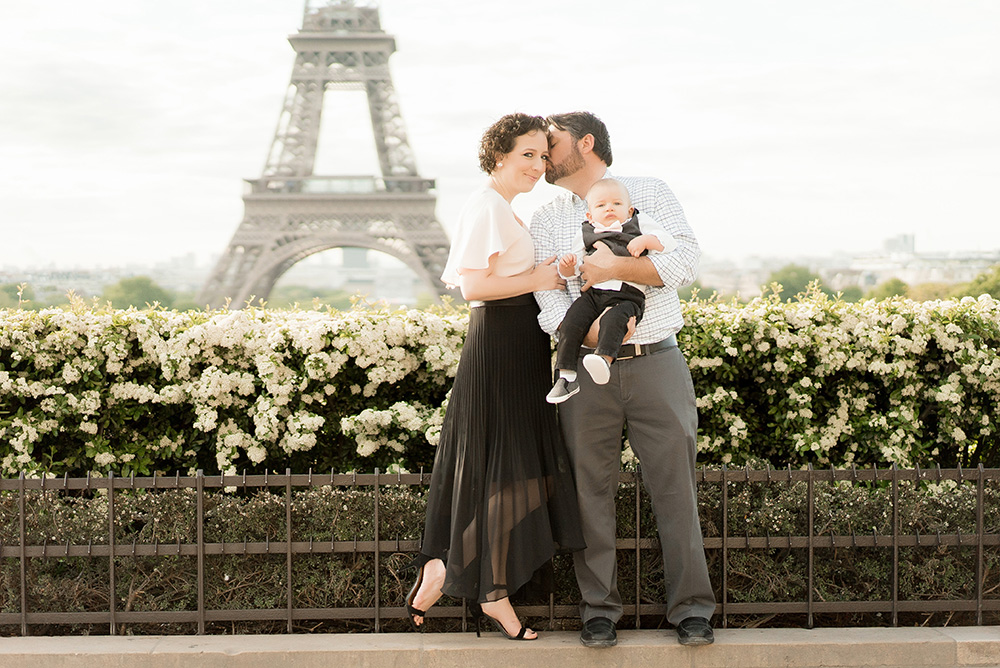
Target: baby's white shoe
x=598, y=368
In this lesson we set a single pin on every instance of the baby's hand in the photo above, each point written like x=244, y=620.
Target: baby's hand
x=644, y=242
x=567, y=265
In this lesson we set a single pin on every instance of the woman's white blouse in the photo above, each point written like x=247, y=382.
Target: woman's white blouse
x=487, y=226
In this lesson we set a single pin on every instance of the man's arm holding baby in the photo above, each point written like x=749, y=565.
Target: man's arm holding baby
x=644, y=243
x=604, y=265
x=677, y=265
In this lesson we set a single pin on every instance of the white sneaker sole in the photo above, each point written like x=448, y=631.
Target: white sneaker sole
x=598, y=368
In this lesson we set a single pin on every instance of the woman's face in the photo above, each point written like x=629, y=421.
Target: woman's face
x=525, y=165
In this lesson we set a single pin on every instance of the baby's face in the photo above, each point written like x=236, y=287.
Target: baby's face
x=608, y=203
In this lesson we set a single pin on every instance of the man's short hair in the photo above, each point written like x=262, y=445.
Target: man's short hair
x=579, y=124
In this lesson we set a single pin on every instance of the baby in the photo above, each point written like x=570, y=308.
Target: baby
x=613, y=221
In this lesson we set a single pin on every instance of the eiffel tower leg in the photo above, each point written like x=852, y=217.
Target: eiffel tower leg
x=293, y=151
x=394, y=153
x=227, y=280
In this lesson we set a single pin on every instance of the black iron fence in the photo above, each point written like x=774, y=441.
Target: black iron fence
x=727, y=536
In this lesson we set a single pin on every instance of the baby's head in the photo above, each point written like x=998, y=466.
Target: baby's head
x=607, y=202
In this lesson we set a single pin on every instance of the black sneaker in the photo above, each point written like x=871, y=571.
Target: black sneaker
x=695, y=631
x=562, y=390
x=599, y=632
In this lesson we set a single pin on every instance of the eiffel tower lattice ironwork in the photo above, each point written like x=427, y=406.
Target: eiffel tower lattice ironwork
x=291, y=213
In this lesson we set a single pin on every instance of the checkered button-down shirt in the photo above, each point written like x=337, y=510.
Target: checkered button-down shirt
x=554, y=225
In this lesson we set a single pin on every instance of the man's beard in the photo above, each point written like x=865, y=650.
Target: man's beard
x=571, y=165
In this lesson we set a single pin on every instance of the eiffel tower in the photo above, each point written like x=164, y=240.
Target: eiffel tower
x=291, y=213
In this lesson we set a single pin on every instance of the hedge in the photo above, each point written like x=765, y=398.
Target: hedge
x=812, y=381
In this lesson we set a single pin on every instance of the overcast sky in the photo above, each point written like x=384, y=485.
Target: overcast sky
x=785, y=127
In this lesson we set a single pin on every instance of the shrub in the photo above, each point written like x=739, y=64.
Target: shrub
x=91, y=389
x=821, y=381
x=812, y=381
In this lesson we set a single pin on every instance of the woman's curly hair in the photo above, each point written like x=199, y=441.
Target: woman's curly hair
x=499, y=138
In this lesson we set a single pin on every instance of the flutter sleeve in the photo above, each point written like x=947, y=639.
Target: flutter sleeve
x=486, y=226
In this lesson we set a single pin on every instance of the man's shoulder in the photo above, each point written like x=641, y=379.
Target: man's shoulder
x=561, y=200
x=646, y=191
x=557, y=207
x=640, y=182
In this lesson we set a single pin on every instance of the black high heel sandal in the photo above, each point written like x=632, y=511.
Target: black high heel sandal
x=477, y=616
x=411, y=611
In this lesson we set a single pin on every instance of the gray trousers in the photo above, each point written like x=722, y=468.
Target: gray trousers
x=654, y=396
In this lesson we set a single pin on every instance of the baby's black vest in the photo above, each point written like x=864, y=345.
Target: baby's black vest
x=617, y=241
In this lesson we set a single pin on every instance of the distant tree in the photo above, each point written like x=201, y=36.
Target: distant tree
x=793, y=278
x=9, y=297
x=137, y=291
x=987, y=283
x=285, y=296
x=685, y=292
x=851, y=293
x=426, y=300
x=894, y=287
x=922, y=292
x=184, y=301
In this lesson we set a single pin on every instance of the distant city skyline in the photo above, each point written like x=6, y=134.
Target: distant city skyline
x=785, y=128
x=745, y=275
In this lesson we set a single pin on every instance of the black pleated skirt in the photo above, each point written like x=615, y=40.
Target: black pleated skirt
x=501, y=498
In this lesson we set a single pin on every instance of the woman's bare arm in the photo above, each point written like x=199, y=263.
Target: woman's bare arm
x=484, y=284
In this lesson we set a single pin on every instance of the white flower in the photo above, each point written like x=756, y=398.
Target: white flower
x=256, y=454
x=104, y=459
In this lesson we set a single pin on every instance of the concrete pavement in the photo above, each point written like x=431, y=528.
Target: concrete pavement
x=951, y=647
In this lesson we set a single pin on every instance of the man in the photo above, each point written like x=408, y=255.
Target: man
x=650, y=391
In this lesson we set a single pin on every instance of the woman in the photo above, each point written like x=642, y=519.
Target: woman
x=501, y=498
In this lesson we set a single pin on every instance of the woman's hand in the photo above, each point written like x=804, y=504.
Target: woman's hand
x=546, y=276
x=484, y=284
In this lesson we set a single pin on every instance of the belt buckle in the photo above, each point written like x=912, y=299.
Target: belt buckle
x=636, y=351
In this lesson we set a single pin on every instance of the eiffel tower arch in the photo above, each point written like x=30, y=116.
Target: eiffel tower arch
x=290, y=212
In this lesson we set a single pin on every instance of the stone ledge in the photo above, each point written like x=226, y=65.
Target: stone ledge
x=953, y=647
